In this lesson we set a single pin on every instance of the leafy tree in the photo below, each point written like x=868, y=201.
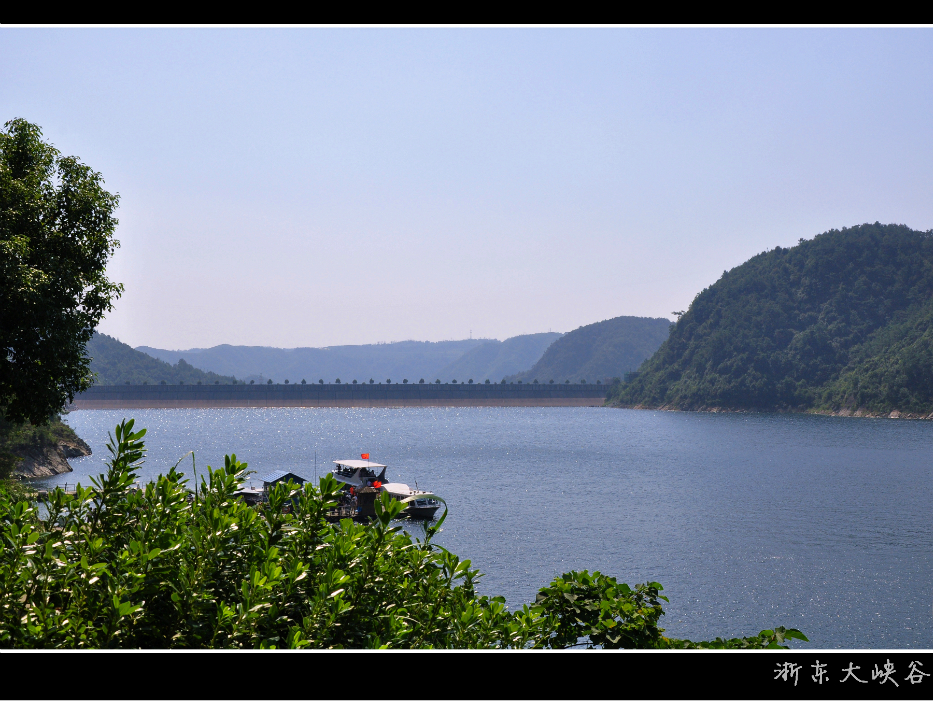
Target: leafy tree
x=372, y=381
x=252, y=382
x=114, y=363
x=286, y=381
x=437, y=382
x=320, y=382
x=337, y=381
x=116, y=567
x=487, y=381
x=354, y=381
x=404, y=382
x=421, y=381
x=388, y=382
x=304, y=382
x=535, y=382
x=269, y=381
x=56, y=236
x=470, y=381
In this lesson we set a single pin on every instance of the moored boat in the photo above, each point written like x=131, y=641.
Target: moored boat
x=364, y=480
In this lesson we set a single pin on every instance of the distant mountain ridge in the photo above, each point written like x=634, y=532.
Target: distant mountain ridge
x=494, y=360
x=411, y=360
x=600, y=351
x=842, y=322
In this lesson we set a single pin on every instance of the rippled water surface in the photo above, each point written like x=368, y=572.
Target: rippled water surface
x=749, y=521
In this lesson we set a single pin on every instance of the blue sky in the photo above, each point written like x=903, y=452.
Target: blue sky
x=311, y=187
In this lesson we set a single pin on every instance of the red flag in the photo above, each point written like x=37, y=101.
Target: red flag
x=377, y=484
x=365, y=456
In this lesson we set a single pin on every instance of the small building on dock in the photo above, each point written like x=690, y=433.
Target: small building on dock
x=273, y=478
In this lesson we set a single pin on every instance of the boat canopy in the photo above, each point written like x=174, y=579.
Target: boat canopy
x=356, y=464
x=397, y=488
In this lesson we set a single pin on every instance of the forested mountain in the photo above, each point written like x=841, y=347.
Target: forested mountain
x=599, y=351
x=116, y=363
x=411, y=360
x=844, y=321
x=495, y=360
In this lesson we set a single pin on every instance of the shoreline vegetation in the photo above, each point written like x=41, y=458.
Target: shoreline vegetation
x=29, y=452
x=840, y=324
x=180, y=565
x=857, y=413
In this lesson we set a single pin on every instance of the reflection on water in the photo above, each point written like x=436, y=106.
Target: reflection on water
x=749, y=521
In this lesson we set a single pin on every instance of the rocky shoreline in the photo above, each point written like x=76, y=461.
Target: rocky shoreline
x=864, y=413
x=858, y=413
x=50, y=458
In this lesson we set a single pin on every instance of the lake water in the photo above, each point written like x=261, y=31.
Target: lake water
x=749, y=521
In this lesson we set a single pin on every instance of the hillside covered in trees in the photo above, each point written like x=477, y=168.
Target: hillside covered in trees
x=116, y=363
x=495, y=360
x=840, y=322
x=599, y=351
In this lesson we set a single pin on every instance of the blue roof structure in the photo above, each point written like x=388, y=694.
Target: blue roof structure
x=279, y=476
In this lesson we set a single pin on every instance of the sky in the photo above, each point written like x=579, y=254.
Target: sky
x=326, y=186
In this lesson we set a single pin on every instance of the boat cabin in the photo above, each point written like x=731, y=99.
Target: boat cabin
x=359, y=473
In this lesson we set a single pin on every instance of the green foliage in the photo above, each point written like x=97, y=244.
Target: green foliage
x=118, y=567
x=18, y=439
x=56, y=236
x=115, y=363
x=842, y=321
x=766, y=639
x=15, y=490
x=604, y=613
x=603, y=349
x=892, y=370
x=580, y=609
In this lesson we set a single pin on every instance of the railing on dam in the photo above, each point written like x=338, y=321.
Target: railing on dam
x=114, y=396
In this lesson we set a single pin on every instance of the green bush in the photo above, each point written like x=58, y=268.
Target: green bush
x=162, y=567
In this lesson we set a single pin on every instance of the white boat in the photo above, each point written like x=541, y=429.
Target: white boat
x=371, y=476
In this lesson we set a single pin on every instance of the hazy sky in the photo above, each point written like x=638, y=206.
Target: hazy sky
x=311, y=187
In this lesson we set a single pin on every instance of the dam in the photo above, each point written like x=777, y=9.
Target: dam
x=338, y=395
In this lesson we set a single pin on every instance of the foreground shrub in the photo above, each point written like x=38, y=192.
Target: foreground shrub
x=116, y=567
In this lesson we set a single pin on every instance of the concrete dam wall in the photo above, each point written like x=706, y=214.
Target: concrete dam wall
x=332, y=395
